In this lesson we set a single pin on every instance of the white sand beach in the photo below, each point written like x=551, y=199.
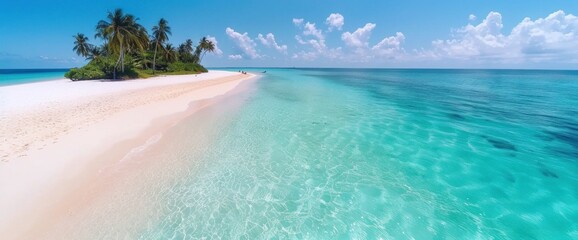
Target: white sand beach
x=58, y=135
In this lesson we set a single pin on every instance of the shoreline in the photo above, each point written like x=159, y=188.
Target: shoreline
x=76, y=147
x=127, y=198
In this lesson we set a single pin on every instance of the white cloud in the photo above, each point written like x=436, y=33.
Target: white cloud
x=362, y=51
x=235, y=57
x=544, y=39
x=270, y=41
x=298, y=21
x=244, y=43
x=315, y=39
x=335, y=21
x=217, y=51
x=317, y=44
x=481, y=41
x=484, y=39
x=390, y=46
x=360, y=37
x=550, y=37
x=311, y=30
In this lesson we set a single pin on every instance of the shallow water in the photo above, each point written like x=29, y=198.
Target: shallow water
x=367, y=154
x=20, y=76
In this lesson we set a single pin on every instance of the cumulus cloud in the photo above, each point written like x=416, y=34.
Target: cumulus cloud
x=217, y=51
x=298, y=21
x=360, y=37
x=317, y=44
x=335, y=21
x=390, y=46
x=357, y=40
x=270, y=41
x=235, y=57
x=244, y=43
x=311, y=30
x=552, y=38
x=484, y=39
x=362, y=51
x=481, y=40
x=556, y=35
x=313, y=37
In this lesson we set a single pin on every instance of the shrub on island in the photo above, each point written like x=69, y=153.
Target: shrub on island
x=101, y=68
x=185, y=67
x=87, y=72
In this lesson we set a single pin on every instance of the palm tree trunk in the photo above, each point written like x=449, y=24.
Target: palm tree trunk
x=122, y=64
x=115, y=67
x=202, y=56
x=155, y=57
x=118, y=61
x=121, y=58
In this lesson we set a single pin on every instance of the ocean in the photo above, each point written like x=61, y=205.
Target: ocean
x=21, y=76
x=363, y=154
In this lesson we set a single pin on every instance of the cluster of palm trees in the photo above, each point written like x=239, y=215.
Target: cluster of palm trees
x=122, y=35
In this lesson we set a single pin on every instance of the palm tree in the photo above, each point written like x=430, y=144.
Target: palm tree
x=185, y=50
x=170, y=53
x=122, y=33
x=144, y=58
x=189, y=45
x=182, y=51
x=81, y=45
x=95, y=53
x=160, y=34
x=198, y=52
x=207, y=46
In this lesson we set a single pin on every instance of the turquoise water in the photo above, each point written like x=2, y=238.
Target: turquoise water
x=20, y=76
x=373, y=154
x=394, y=154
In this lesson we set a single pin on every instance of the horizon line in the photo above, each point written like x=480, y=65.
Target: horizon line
x=376, y=68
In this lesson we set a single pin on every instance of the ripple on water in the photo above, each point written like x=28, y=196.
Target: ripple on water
x=320, y=155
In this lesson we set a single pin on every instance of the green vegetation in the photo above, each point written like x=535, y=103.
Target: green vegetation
x=127, y=51
x=81, y=46
x=185, y=67
x=160, y=33
x=90, y=71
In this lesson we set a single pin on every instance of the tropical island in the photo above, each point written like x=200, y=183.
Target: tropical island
x=383, y=129
x=128, y=51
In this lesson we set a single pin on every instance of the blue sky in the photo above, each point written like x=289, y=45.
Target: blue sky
x=323, y=33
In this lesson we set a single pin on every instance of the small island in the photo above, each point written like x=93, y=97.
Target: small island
x=314, y=120
x=128, y=51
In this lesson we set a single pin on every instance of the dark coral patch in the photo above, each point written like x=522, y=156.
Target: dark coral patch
x=502, y=144
x=456, y=116
x=548, y=173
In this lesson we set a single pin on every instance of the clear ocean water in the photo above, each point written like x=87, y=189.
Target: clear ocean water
x=392, y=154
x=370, y=154
x=20, y=76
